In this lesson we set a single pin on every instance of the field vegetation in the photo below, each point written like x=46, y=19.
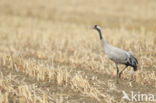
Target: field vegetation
x=49, y=52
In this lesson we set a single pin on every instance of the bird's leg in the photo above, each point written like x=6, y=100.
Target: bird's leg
x=117, y=72
x=122, y=71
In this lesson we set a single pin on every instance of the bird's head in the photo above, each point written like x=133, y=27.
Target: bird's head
x=97, y=27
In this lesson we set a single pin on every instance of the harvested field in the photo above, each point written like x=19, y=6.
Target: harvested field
x=49, y=52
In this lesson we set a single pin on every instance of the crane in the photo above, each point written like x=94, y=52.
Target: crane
x=117, y=55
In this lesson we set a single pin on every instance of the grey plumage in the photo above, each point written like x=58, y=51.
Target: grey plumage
x=117, y=55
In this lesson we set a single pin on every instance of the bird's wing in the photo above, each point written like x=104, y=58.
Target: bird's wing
x=132, y=56
x=117, y=55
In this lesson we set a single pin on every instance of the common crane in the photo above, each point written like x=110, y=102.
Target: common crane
x=118, y=56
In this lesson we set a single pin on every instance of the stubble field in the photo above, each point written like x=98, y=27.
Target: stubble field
x=49, y=52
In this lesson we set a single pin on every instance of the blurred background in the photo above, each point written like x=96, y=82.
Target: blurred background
x=132, y=14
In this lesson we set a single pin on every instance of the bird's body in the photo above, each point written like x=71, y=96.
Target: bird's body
x=118, y=55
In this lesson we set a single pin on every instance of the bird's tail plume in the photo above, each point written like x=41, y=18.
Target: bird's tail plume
x=135, y=68
x=133, y=61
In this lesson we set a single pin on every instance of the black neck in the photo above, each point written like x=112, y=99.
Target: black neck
x=100, y=34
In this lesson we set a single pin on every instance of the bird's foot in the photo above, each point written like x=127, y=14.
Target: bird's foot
x=117, y=81
x=120, y=74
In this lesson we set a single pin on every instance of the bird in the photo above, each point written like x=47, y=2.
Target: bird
x=117, y=55
x=125, y=95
